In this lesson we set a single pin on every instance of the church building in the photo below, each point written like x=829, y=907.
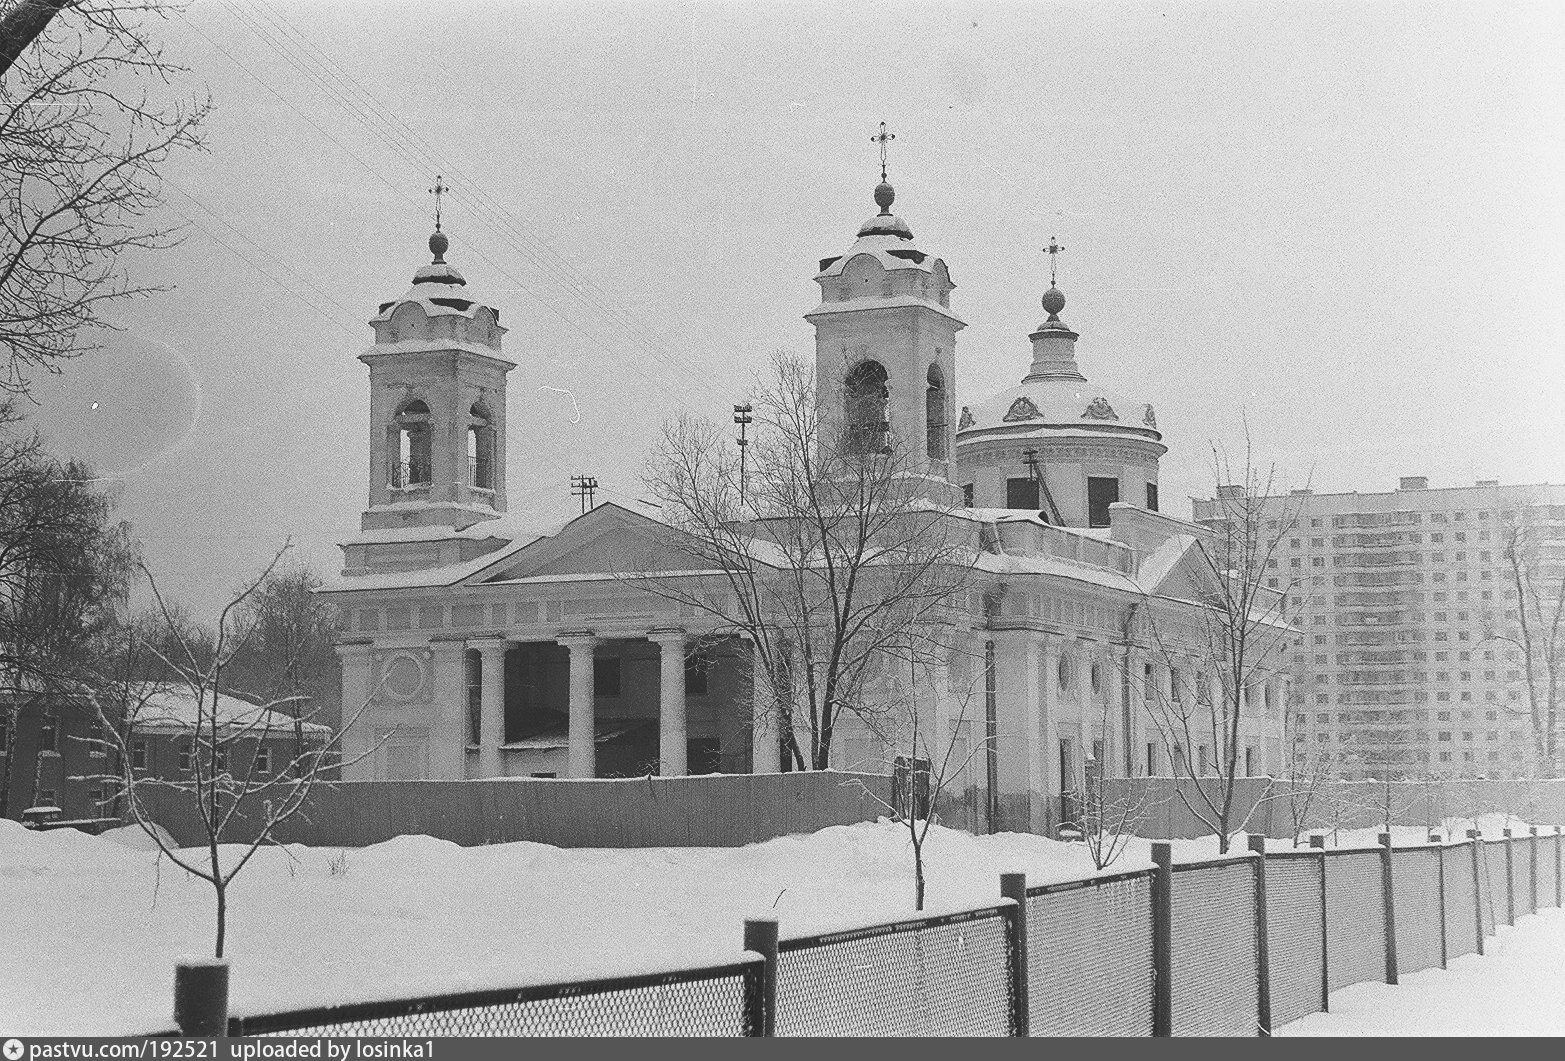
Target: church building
x=480, y=648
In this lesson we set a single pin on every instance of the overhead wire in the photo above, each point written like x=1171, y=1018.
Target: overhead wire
x=339, y=86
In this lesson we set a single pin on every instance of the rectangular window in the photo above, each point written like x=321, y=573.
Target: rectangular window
x=5, y=738
x=1252, y=762
x=1102, y=491
x=605, y=676
x=967, y=494
x=263, y=761
x=1152, y=496
x=1151, y=759
x=138, y=754
x=1200, y=759
x=1022, y=493
x=48, y=736
x=48, y=797
x=184, y=757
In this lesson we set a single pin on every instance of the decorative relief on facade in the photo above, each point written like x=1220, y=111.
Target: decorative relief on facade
x=405, y=676
x=1151, y=418
x=967, y=420
x=1022, y=409
x=1100, y=409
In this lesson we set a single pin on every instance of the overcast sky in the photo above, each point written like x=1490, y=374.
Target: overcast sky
x=1341, y=222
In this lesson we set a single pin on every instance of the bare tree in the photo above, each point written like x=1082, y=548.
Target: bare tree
x=822, y=560
x=924, y=764
x=228, y=784
x=1109, y=814
x=1534, y=629
x=288, y=656
x=1237, y=638
x=83, y=134
x=65, y=569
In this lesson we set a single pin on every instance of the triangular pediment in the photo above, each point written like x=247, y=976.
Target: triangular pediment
x=1181, y=571
x=608, y=541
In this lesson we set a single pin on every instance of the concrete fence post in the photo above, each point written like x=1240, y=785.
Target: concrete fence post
x=1388, y=900
x=1319, y=843
x=1163, y=941
x=1013, y=886
x=1475, y=845
x=1445, y=947
x=201, y=997
x=1532, y=868
x=1510, y=882
x=760, y=1018
x=1263, y=966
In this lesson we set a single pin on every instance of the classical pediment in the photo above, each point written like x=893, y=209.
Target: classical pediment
x=608, y=541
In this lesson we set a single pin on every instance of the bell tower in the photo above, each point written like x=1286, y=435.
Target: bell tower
x=885, y=346
x=437, y=403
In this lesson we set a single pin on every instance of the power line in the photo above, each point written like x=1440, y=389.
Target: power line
x=361, y=104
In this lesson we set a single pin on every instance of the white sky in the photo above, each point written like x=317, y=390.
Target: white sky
x=1342, y=222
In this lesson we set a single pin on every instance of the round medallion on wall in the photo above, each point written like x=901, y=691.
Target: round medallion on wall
x=403, y=676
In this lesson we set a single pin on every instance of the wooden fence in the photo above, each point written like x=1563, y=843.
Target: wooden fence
x=718, y=810
x=1268, y=807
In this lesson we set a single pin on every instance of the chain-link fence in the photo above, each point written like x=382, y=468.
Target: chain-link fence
x=1548, y=870
x=1461, y=901
x=1093, y=951
x=1294, y=932
x=1521, y=870
x=1355, y=918
x=946, y=975
x=1495, y=883
x=1089, y=956
x=721, y=1000
x=1415, y=884
x=1214, y=978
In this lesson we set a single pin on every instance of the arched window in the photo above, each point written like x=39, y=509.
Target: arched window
x=480, y=449
x=865, y=395
x=935, y=414
x=410, y=446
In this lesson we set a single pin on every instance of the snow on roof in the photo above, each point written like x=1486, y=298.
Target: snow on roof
x=1160, y=563
x=176, y=708
x=1009, y=564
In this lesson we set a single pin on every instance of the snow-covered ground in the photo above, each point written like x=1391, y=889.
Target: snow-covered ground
x=92, y=925
x=1516, y=988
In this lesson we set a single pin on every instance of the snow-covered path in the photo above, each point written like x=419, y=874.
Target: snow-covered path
x=1516, y=988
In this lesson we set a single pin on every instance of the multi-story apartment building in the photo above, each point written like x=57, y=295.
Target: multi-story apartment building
x=1406, y=606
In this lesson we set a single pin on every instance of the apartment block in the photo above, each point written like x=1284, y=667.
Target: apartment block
x=1407, y=609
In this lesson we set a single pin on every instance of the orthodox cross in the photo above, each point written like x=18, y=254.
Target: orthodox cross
x=1054, y=249
x=437, y=191
x=882, y=138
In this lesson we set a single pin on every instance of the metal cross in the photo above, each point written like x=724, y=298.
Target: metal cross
x=882, y=138
x=437, y=191
x=1053, y=248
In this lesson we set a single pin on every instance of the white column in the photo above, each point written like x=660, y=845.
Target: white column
x=1053, y=648
x=448, y=726
x=491, y=706
x=763, y=732
x=358, y=735
x=671, y=702
x=582, y=758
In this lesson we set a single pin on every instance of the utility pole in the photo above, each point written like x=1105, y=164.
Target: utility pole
x=744, y=420
x=586, y=488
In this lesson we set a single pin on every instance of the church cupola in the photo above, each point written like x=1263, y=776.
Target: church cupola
x=1059, y=446
x=437, y=403
x=885, y=345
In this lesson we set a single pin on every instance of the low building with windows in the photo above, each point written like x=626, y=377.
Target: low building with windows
x=1411, y=662
x=54, y=756
x=478, y=646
